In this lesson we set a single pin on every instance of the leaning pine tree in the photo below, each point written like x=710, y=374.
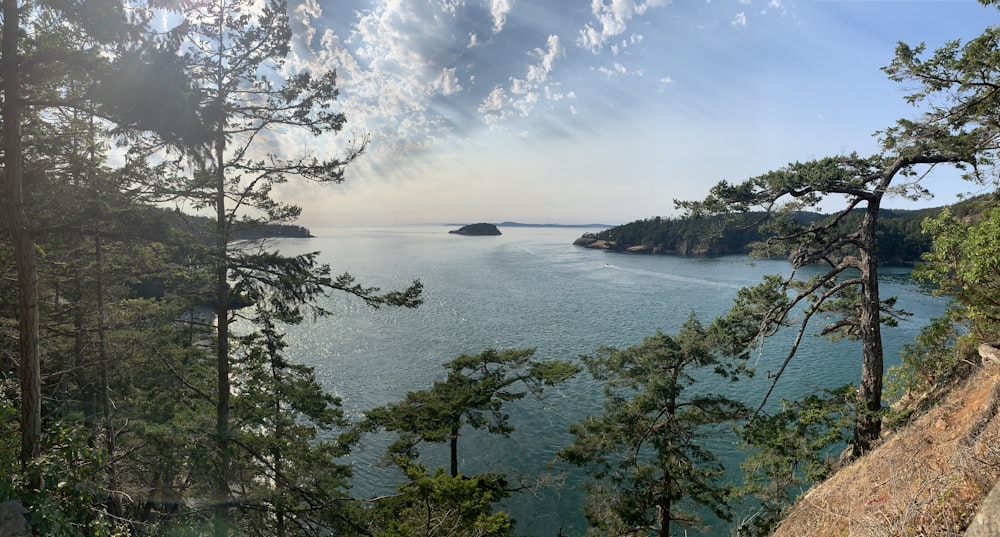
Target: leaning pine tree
x=957, y=84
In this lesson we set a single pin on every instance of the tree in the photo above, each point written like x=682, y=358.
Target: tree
x=646, y=451
x=286, y=428
x=849, y=301
x=474, y=393
x=787, y=451
x=38, y=65
x=236, y=51
x=958, y=86
x=963, y=264
x=442, y=505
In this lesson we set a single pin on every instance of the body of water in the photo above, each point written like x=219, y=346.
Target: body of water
x=531, y=288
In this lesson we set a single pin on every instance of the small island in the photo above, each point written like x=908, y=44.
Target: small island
x=477, y=229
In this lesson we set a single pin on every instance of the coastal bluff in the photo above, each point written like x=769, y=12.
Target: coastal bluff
x=480, y=229
x=590, y=240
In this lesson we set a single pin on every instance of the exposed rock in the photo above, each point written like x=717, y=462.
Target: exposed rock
x=477, y=229
x=589, y=240
x=13, y=520
x=639, y=249
x=987, y=521
x=990, y=353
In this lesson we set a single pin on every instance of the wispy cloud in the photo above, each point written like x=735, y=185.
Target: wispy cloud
x=612, y=20
x=522, y=94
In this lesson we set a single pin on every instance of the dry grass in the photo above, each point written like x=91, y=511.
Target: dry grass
x=926, y=479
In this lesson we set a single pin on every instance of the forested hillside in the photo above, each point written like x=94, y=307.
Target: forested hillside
x=900, y=238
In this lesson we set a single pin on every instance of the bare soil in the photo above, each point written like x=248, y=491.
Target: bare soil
x=927, y=478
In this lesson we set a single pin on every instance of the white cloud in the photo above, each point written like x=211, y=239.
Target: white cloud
x=473, y=40
x=612, y=20
x=305, y=14
x=397, y=61
x=451, y=6
x=774, y=3
x=525, y=93
x=539, y=72
x=499, y=9
x=740, y=19
x=447, y=83
x=493, y=107
x=666, y=80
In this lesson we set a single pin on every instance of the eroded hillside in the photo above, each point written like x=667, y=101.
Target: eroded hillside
x=927, y=478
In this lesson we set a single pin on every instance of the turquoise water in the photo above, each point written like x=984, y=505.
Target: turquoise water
x=531, y=288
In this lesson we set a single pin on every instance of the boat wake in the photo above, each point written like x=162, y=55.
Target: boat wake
x=674, y=277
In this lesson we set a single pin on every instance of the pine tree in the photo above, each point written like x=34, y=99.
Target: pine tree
x=235, y=53
x=473, y=394
x=646, y=451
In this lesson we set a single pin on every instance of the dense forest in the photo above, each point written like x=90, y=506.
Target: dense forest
x=144, y=386
x=901, y=239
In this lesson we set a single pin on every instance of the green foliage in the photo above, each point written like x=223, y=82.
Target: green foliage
x=789, y=450
x=685, y=236
x=930, y=361
x=474, y=393
x=964, y=262
x=900, y=240
x=442, y=505
x=646, y=451
x=844, y=245
x=290, y=478
x=63, y=489
x=956, y=85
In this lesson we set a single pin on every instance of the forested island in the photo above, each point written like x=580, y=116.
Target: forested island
x=481, y=229
x=146, y=388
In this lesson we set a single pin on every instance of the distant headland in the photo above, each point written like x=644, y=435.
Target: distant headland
x=523, y=224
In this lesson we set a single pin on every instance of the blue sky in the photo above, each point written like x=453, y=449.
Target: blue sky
x=604, y=111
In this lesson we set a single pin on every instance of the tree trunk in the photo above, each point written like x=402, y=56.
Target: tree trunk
x=103, y=358
x=221, y=527
x=454, y=452
x=663, y=509
x=23, y=242
x=223, y=387
x=868, y=423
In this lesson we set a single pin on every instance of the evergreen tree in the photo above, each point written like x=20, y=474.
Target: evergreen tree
x=789, y=450
x=474, y=393
x=235, y=53
x=37, y=62
x=846, y=294
x=646, y=451
x=442, y=505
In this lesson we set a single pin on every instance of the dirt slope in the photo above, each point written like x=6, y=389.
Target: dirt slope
x=925, y=479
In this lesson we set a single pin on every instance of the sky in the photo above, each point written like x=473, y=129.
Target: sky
x=603, y=111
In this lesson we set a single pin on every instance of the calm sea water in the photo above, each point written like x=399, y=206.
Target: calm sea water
x=531, y=288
